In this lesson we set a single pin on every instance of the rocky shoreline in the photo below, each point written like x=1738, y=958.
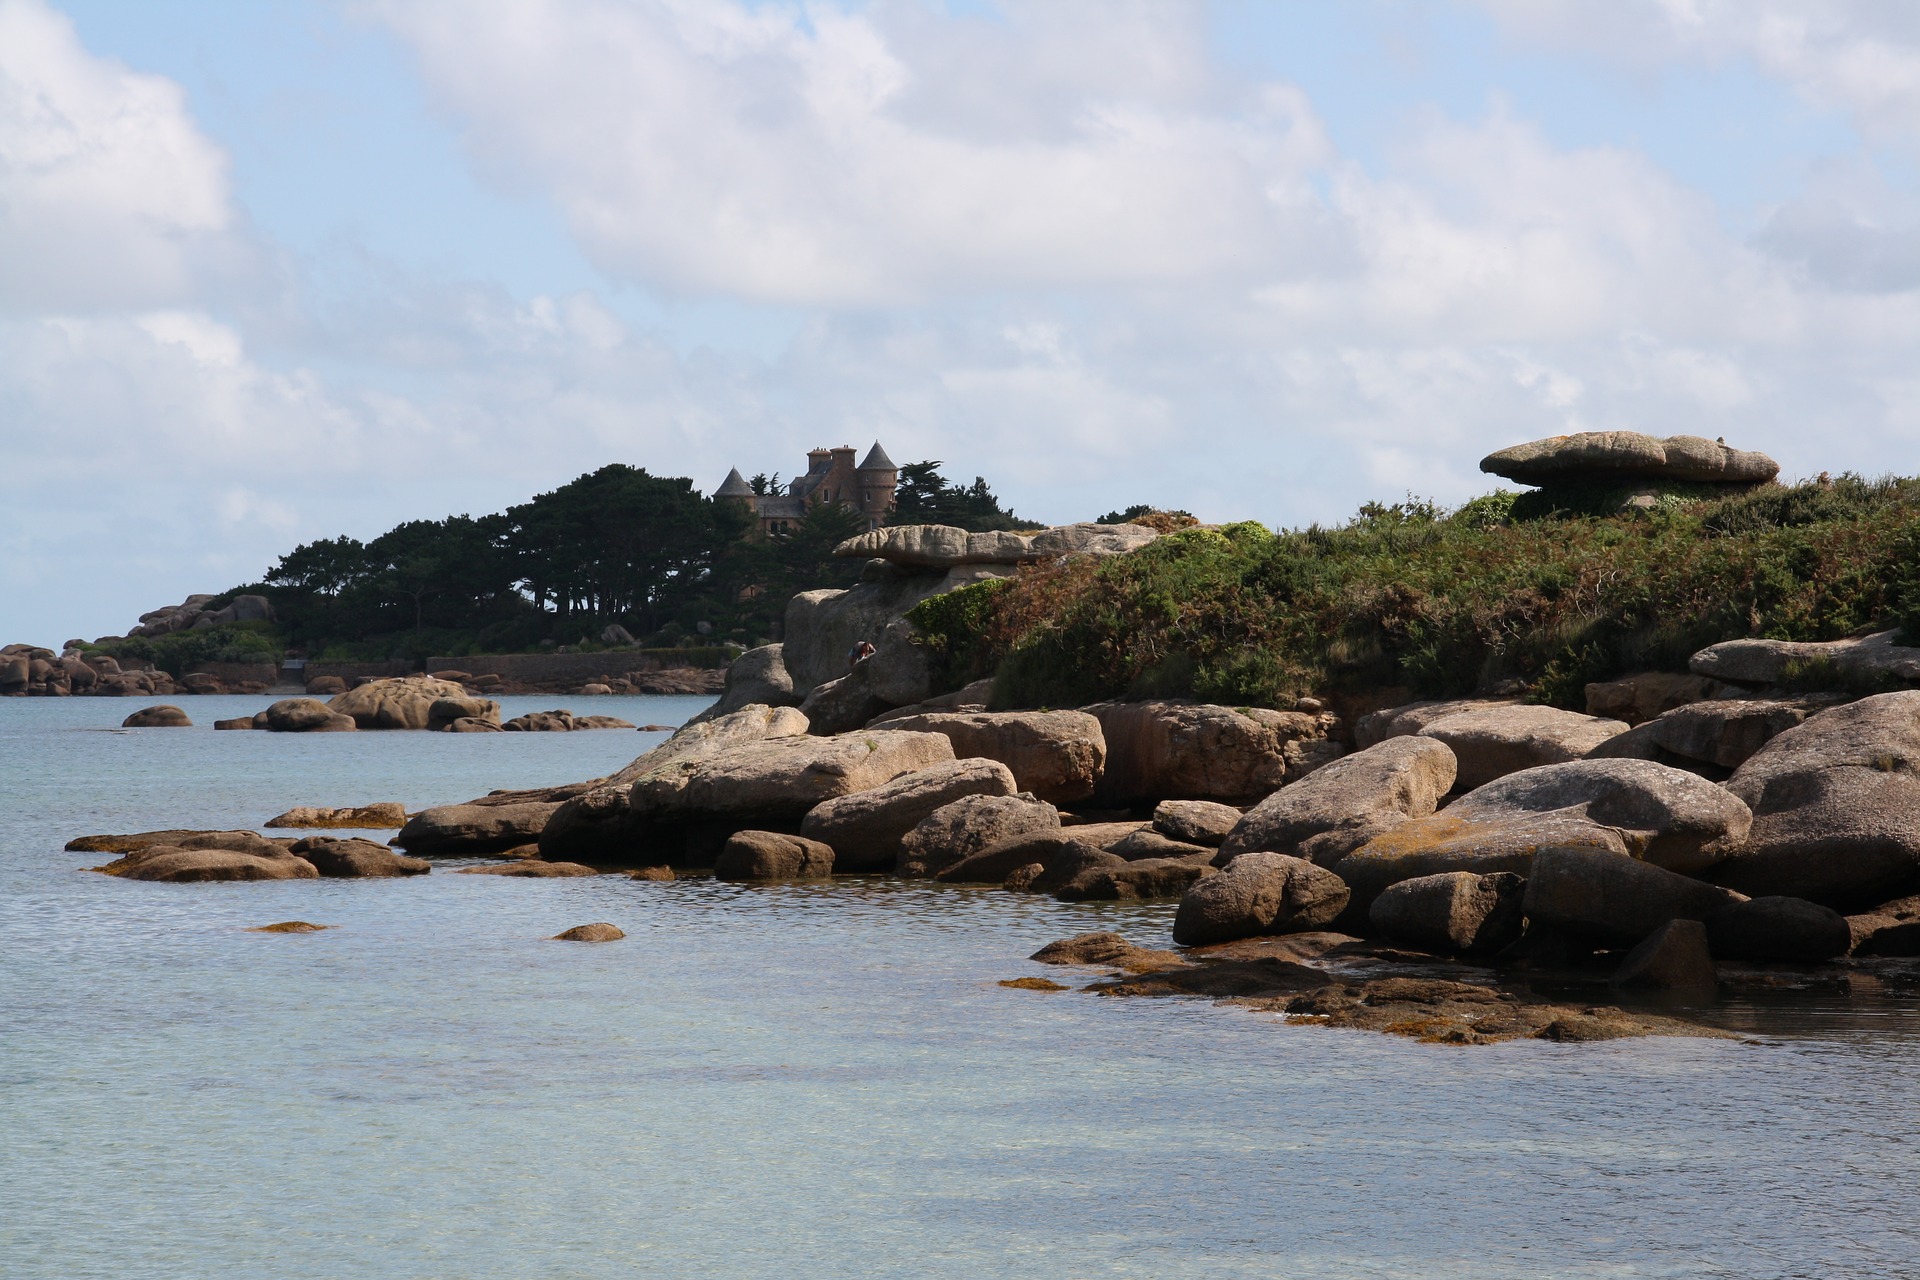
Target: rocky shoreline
x=1420, y=869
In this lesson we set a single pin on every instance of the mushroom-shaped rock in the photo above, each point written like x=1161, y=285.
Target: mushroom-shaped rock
x=865, y=829
x=1674, y=957
x=771, y=855
x=1629, y=455
x=599, y=932
x=1202, y=822
x=396, y=703
x=1259, y=893
x=304, y=715
x=1612, y=898
x=1667, y=816
x=1343, y=805
x=1778, y=929
x=1453, y=912
x=1492, y=742
x=356, y=859
x=964, y=827
x=1057, y=755
x=1836, y=805
x=160, y=717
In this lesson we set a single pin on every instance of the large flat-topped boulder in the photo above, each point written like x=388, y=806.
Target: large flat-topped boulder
x=1774, y=661
x=1629, y=455
x=940, y=546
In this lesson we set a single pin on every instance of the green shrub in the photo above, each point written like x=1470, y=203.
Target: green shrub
x=1442, y=603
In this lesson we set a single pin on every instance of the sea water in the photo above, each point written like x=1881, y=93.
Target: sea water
x=806, y=1080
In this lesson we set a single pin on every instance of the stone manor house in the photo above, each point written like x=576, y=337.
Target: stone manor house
x=831, y=477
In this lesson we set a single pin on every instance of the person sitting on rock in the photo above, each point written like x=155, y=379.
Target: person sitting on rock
x=858, y=654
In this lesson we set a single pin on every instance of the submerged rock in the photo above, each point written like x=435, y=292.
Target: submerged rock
x=160, y=717
x=601, y=932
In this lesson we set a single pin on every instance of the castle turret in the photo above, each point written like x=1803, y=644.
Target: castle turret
x=879, y=479
x=735, y=486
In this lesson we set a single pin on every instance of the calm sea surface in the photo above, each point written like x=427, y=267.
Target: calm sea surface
x=805, y=1081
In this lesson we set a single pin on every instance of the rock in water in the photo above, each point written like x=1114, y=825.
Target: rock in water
x=1451, y=913
x=160, y=717
x=1259, y=893
x=400, y=703
x=303, y=715
x=601, y=932
x=356, y=859
x=1673, y=957
x=1344, y=805
x=770, y=855
x=366, y=817
x=957, y=831
x=1629, y=455
x=1790, y=929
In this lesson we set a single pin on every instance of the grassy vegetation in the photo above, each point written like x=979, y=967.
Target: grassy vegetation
x=184, y=651
x=1442, y=602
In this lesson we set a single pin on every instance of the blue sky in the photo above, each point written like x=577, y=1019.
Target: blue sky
x=287, y=270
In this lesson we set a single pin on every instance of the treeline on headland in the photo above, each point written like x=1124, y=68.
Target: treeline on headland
x=1444, y=602
x=614, y=547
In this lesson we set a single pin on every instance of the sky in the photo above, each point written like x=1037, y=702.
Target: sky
x=276, y=270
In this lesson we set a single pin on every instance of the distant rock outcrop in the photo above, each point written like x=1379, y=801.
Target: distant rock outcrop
x=1629, y=455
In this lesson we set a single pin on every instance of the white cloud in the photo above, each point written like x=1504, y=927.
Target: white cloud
x=109, y=193
x=1857, y=56
x=830, y=158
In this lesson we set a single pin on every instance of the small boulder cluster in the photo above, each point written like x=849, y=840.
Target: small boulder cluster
x=179, y=857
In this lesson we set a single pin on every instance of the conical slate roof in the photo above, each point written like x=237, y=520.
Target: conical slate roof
x=734, y=486
x=877, y=460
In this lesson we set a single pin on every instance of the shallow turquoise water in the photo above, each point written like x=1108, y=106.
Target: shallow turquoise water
x=804, y=1081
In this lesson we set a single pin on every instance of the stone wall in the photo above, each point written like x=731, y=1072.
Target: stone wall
x=266, y=673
